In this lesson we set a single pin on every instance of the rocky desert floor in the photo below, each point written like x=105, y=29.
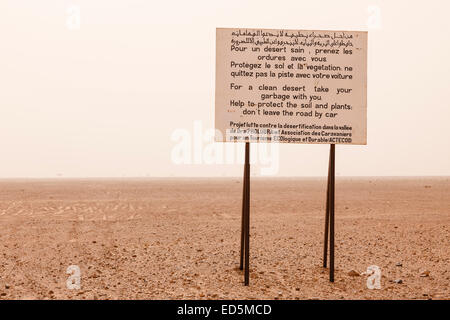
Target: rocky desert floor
x=179, y=239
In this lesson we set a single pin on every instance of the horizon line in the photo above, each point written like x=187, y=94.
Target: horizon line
x=211, y=177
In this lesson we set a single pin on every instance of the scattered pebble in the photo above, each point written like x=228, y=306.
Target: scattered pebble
x=425, y=273
x=353, y=273
x=399, y=264
x=398, y=281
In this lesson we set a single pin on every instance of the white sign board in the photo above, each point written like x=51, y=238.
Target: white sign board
x=293, y=86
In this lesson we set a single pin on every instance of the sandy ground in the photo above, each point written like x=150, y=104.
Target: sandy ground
x=179, y=239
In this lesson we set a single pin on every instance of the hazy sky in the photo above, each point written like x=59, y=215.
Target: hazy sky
x=106, y=99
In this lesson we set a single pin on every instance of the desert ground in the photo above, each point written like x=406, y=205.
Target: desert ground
x=180, y=238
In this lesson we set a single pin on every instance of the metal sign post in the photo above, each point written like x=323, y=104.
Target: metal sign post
x=245, y=230
x=329, y=214
x=329, y=217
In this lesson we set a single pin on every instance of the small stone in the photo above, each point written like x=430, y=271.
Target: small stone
x=7, y=286
x=425, y=273
x=3, y=294
x=398, y=281
x=399, y=264
x=353, y=273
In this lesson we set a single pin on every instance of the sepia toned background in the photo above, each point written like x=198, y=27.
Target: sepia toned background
x=230, y=86
x=102, y=96
x=126, y=89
